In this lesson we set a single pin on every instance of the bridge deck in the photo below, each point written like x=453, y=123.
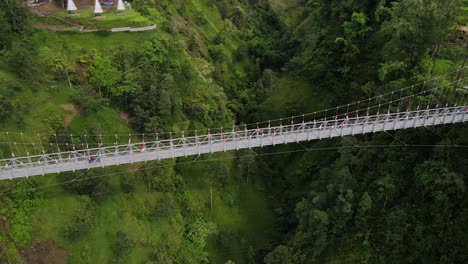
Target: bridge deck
x=164, y=149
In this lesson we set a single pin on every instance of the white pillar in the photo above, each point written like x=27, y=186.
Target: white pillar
x=454, y=113
x=71, y=6
x=415, y=119
x=120, y=6
x=464, y=112
x=158, y=150
x=445, y=116
x=406, y=120
x=397, y=120
x=97, y=8
x=425, y=119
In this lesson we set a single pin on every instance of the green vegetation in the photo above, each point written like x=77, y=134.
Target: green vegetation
x=109, y=19
x=216, y=64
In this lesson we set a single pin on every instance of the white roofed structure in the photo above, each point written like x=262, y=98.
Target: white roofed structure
x=97, y=8
x=120, y=6
x=71, y=6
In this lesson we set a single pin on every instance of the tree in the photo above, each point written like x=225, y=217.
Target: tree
x=165, y=207
x=6, y=34
x=264, y=86
x=385, y=189
x=280, y=255
x=127, y=183
x=434, y=176
x=364, y=207
x=165, y=104
x=409, y=28
x=442, y=189
x=102, y=73
x=357, y=27
x=86, y=100
x=20, y=227
x=217, y=53
x=163, y=251
x=83, y=219
x=312, y=230
x=5, y=105
x=85, y=183
x=21, y=58
x=197, y=230
x=16, y=14
x=195, y=235
x=391, y=240
x=160, y=175
x=129, y=86
x=122, y=246
x=156, y=51
x=153, y=107
x=342, y=211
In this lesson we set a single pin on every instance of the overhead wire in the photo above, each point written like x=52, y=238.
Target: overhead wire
x=235, y=157
x=115, y=136
x=357, y=103
x=209, y=160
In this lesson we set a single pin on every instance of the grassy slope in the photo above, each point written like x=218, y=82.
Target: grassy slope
x=462, y=18
x=250, y=217
x=44, y=101
x=116, y=213
x=74, y=44
x=290, y=93
x=286, y=10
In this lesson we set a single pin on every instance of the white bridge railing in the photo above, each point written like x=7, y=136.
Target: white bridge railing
x=234, y=140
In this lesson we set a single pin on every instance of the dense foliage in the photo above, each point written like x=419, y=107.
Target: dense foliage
x=366, y=199
x=374, y=204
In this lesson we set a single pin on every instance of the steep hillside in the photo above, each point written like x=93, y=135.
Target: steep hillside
x=209, y=64
x=193, y=72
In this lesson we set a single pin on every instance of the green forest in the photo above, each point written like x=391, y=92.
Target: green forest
x=393, y=197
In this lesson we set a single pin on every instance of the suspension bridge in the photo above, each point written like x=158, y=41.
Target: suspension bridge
x=440, y=101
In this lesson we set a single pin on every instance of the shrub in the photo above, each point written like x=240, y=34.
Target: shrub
x=121, y=246
x=83, y=221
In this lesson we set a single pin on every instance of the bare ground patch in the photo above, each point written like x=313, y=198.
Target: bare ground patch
x=55, y=27
x=3, y=224
x=72, y=112
x=45, y=252
x=124, y=117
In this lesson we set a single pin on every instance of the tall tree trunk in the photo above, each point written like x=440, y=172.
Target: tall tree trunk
x=434, y=56
x=8, y=4
x=149, y=184
x=211, y=198
x=458, y=78
x=69, y=82
x=248, y=172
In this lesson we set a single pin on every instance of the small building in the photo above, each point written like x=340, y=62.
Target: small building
x=97, y=9
x=71, y=7
x=120, y=7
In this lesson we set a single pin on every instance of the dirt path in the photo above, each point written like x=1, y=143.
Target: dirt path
x=55, y=27
x=72, y=112
x=124, y=117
